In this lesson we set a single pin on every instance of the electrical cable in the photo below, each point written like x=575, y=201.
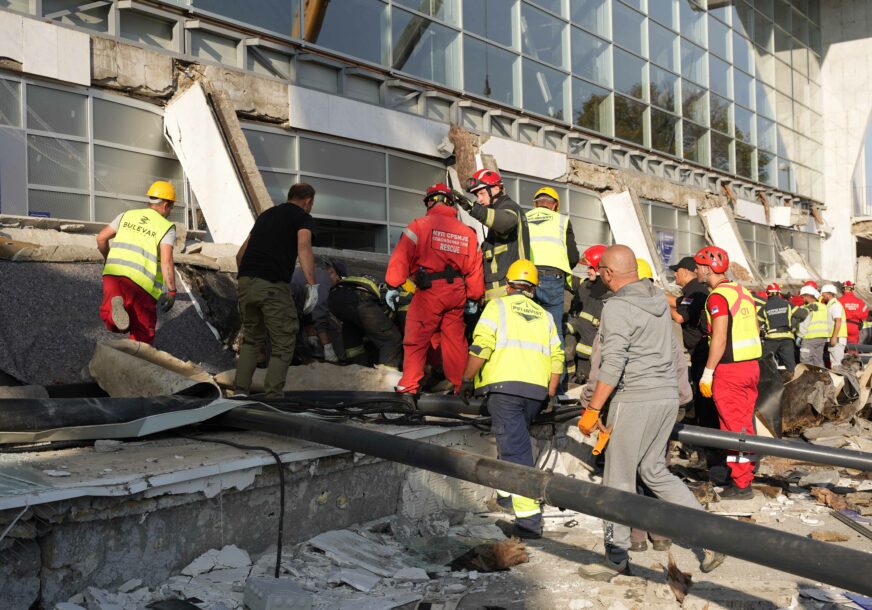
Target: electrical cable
x=278, y=460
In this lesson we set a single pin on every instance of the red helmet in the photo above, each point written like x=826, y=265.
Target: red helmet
x=593, y=255
x=773, y=288
x=811, y=283
x=439, y=193
x=848, y=285
x=483, y=178
x=714, y=257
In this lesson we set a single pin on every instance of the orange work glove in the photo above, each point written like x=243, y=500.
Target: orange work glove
x=705, y=382
x=588, y=421
x=601, y=441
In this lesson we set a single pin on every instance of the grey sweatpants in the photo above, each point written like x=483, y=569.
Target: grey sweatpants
x=638, y=443
x=837, y=353
x=811, y=351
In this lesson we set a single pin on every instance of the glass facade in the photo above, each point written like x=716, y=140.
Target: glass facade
x=676, y=233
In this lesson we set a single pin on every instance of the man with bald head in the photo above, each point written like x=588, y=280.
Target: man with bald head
x=637, y=376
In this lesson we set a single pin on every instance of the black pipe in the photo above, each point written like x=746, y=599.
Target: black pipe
x=834, y=565
x=761, y=445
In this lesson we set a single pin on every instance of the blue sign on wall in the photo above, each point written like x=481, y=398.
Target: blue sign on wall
x=666, y=246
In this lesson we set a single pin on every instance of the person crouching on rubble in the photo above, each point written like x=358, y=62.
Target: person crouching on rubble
x=139, y=265
x=638, y=374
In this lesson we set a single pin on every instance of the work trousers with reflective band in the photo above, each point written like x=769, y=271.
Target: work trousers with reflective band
x=436, y=309
x=837, y=352
x=364, y=319
x=811, y=351
x=140, y=306
x=266, y=308
x=510, y=422
x=784, y=351
x=638, y=447
x=735, y=392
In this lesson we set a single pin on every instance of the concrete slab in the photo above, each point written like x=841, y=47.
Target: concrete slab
x=12, y=36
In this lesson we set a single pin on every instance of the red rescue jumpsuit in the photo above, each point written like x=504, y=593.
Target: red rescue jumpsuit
x=433, y=243
x=855, y=312
x=734, y=390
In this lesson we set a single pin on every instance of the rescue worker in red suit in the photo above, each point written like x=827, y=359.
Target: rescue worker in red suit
x=441, y=255
x=856, y=311
x=732, y=369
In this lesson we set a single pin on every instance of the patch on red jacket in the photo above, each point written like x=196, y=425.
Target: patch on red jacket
x=445, y=241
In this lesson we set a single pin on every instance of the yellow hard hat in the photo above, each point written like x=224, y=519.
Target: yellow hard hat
x=645, y=272
x=523, y=270
x=162, y=190
x=549, y=192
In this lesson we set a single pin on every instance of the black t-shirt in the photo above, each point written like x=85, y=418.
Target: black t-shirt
x=272, y=245
x=690, y=306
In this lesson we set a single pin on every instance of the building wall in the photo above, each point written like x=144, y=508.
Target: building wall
x=847, y=101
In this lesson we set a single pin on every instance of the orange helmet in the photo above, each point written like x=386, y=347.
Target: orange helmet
x=714, y=257
x=593, y=255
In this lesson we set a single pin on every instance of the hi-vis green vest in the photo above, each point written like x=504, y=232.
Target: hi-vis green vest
x=817, y=327
x=519, y=341
x=743, y=337
x=135, y=251
x=843, y=329
x=548, y=238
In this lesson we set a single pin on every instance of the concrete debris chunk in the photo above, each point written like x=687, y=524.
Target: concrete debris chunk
x=56, y=473
x=362, y=580
x=394, y=599
x=411, y=575
x=351, y=548
x=828, y=536
x=232, y=556
x=820, y=478
x=275, y=594
x=68, y=606
x=107, y=445
x=130, y=585
x=201, y=564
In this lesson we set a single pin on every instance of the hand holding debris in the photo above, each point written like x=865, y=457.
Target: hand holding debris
x=167, y=300
x=311, y=299
x=467, y=389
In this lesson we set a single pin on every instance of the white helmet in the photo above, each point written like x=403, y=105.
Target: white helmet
x=810, y=291
x=830, y=288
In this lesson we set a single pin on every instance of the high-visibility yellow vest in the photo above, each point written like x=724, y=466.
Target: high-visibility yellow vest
x=817, y=327
x=519, y=341
x=360, y=281
x=743, y=338
x=135, y=251
x=548, y=238
x=843, y=329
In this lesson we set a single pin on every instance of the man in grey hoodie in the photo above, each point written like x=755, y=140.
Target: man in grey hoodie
x=636, y=336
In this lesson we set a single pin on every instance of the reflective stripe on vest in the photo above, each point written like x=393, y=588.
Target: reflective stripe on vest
x=817, y=328
x=843, y=329
x=548, y=238
x=524, y=337
x=744, y=338
x=361, y=282
x=135, y=250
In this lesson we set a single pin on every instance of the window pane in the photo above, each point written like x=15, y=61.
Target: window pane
x=347, y=200
x=766, y=134
x=10, y=103
x=342, y=234
x=107, y=208
x=96, y=19
x=414, y=175
x=146, y=29
x=629, y=116
x=720, y=152
x=443, y=10
x=629, y=74
x=664, y=131
x=720, y=115
x=743, y=88
x=271, y=149
x=692, y=21
x=719, y=75
x=588, y=233
x=555, y=6
x=59, y=205
x=719, y=38
x=489, y=71
x=491, y=19
x=763, y=31
x=765, y=100
x=53, y=162
x=743, y=53
x=744, y=124
x=767, y=168
x=695, y=143
x=277, y=184
x=543, y=90
x=629, y=28
x=592, y=15
x=693, y=65
x=129, y=173
x=662, y=11
x=693, y=103
x=424, y=48
x=590, y=57
x=744, y=160
x=406, y=206
x=214, y=47
x=542, y=36
x=58, y=111
x=664, y=89
x=338, y=160
x=661, y=46
x=269, y=63
x=129, y=126
x=353, y=27
x=586, y=205
x=272, y=15
x=591, y=106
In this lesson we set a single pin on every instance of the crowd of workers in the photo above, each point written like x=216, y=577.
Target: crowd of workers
x=495, y=316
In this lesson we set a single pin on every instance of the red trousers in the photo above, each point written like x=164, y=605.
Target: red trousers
x=735, y=392
x=438, y=309
x=140, y=306
x=853, y=332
